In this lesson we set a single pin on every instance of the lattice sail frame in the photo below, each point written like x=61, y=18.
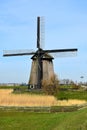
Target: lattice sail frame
x=40, y=52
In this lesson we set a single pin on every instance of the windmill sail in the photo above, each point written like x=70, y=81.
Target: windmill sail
x=62, y=52
x=41, y=60
x=38, y=32
x=42, y=32
x=18, y=52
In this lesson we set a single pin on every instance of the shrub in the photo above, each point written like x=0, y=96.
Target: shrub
x=75, y=86
x=50, y=86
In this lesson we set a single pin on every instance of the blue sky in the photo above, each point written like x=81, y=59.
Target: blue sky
x=65, y=27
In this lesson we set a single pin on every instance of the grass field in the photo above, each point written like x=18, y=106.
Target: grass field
x=25, y=120
x=7, y=98
x=81, y=95
x=14, y=120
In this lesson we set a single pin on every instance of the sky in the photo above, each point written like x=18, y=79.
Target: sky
x=65, y=27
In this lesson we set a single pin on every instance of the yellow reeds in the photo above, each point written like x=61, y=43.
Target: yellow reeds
x=7, y=98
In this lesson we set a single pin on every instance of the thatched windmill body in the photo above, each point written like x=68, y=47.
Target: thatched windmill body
x=42, y=61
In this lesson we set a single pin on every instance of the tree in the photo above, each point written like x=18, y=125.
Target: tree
x=50, y=86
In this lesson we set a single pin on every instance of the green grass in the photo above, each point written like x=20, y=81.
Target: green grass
x=43, y=121
x=61, y=95
x=13, y=87
x=81, y=95
x=68, y=94
x=6, y=87
x=25, y=120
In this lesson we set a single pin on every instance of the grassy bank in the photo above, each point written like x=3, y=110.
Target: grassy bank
x=61, y=95
x=81, y=95
x=7, y=98
x=43, y=121
x=19, y=119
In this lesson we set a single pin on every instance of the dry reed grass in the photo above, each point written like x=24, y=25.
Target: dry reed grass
x=7, y=98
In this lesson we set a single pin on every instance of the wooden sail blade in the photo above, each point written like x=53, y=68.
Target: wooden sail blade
x=61, y=50
x=17, y=52
x=38, y=32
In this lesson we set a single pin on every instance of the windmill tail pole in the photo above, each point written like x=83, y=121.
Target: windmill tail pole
x=39, y=77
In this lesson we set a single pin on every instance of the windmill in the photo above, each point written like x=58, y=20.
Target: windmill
x=39, y=57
